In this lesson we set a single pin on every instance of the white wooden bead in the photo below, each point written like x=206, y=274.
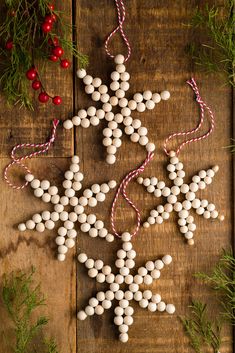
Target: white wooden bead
x=150, y=147
x=133, y=287
x=62, y=231
x=142, y=271
x=131, y=254
x=114, y=86
x=68, y=124
x=40, y=227
x=129, y=311
x=82, y=258
x=100, y=278
x=155, y=274
x=93, y=302
x=89, y=310
x=149, y=265
x=69, y=243
x=124, y=271
x=148, y=280
x=22, y=227
x=119, y=279
x=100, y=296
x=123, y=337
x=109, y=238
x=120, y=93
x=128, y=320
x=152, y=307
x=170, y=308
x=126, y=237
x=46, y=215
x=103, y=232
x=81, y=73
x=114, y=287
x=87, y=79
x=124, y=86
x=89, y=89
x=143, y=140
x=94, y=121
x=110, y=159
x=165, y=95
x=167, y=259
x=85, y=227
x=96, y=82
x=128, y=280
x=85, y=123
x=187, y=205
x=81, y=315
x=140, y=107
x=93, y=232
x=118, y=311
x=89, y=263
x=123, y=303
x=119, y=59
x=120, y=68
x=115, y=76
x=106, y=270
x=112, y=184
x=130, y=263
x=161, y=306
x=109, y=295
x=55, y=216
x=123, y=328
x=159, y=264
x=156, y=298
x=62, y=249
x=99, y=264
x=45, y=184
x=119, y=294
x=190, y=196
x=143, y=303
x=38, y=192
x=118, y=320
x=29, y=178
x=126, y=111
x=138, y=296
x=99, y=310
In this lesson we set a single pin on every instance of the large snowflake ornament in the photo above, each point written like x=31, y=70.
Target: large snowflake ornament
x=124, y=287
x=68, y=208
x=172, y=195
x=116, y=109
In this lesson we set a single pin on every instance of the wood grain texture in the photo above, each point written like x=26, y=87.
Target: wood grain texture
x=158, y=34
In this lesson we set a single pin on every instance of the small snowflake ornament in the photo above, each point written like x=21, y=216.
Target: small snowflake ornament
x=172, y=194
x=124, y=287
x=116, y=109
x=69, y=208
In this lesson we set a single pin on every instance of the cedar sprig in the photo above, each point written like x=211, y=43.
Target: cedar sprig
x=222, y=280
x=217, y=53
x=21, y=298
x=200, y=329
x=22, y=26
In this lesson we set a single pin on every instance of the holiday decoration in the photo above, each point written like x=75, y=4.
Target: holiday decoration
x=119, y=86
x=177, y=174
x=30, y=33
x=68, y=208
x=118, y=284
x=172, y=195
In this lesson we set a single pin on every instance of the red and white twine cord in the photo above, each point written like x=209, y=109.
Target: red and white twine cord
x=122, y=190
x=202, y=105
x=45, y=147
x=121, y=12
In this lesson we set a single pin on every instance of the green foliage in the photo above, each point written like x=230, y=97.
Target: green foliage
x=222, y=280
x=22, y=25
x=21, y=298
x=200, y=329
x=218, y=55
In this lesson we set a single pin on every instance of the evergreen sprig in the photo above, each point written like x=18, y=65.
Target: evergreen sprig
x=222, y=280
x=202, y=330
x=218, y=53
x=22, y=26
x=21, y=298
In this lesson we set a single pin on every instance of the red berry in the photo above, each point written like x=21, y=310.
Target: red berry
x=36, y=85
x=51, y=7
x=31, y=74
x=9, y=45
x=57, y=100
x=58, y=51
x=48, y=19
x=53, y=16
x=43, y=97
x=65, y=64
x=53, y=41
x=46, y=27
x=53, y=58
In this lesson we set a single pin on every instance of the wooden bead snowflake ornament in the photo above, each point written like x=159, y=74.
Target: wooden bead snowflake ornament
x=119, y=86
x=173, y=194
x=68, y=208
x=124, y=287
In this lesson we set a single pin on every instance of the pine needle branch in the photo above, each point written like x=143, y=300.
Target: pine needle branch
x=200, y=329
x=218, y=54
x=222, y=280
x=21, y=298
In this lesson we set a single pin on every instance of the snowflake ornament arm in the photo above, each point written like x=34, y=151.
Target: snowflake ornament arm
x=116, y=98
x=202, y=207
x=75, y=205
x=124, y=311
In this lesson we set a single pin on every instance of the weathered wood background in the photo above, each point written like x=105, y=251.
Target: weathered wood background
x=158, y=32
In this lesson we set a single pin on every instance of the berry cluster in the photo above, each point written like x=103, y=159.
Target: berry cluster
x=56, y=52
x=43, y=97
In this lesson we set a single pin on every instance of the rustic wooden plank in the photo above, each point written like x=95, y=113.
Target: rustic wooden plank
x=158, y=35
x=21, y=125
x=23, y=250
